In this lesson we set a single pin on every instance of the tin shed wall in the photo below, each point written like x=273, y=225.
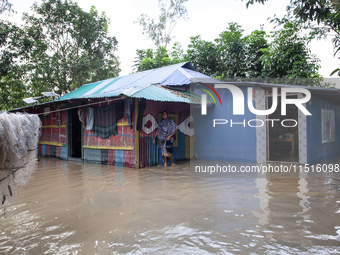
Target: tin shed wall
x=316, y=149
x=223, y=142
x=149, y=153
x=52, y=142
x=117, y=150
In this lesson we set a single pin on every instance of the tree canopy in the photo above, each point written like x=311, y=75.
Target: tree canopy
x=319, y=17
x=233, y=55
x=5, y=6
x=288, y=56
x=59, y=48
x=150, y=59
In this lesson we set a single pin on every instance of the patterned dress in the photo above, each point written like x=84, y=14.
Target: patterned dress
x=165, y=128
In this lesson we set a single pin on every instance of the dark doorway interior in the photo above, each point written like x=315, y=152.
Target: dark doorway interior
x=283, y=141
x=75, y=142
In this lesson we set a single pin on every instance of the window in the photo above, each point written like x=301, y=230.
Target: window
x=328, y=125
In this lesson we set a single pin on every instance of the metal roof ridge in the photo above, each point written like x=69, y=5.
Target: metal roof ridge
x=185, y=73
x=179, y=69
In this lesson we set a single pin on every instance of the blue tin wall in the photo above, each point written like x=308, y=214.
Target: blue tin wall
x=316, y=150
x=224, y=142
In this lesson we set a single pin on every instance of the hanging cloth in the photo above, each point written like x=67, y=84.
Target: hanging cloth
x=129, y=107
x=90, y=118
x=105, y=121
x=141, y=108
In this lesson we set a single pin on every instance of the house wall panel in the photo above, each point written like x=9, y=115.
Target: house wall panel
x=111, y=157
x=144, y=151
x=63, y=154
x=55, y=135
x=92, y=155
x=316, y=150
x=224, y=142
x=63, y=117
x=53, y=118
x=47, y=120
x=104, y=157
x=119, y=158
x=43, y=150
x=52, y=151
x=58, y=152
x=48, y=150
x=62, y=135
x=129, y=158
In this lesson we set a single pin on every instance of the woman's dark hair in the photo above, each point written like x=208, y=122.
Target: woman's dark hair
x=165, y=111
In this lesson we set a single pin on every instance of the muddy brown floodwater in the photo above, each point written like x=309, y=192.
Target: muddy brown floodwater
x=78, y=208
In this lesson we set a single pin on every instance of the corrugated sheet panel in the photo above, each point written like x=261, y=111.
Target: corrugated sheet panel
x=131, y=91
x=102, y=95
x=79, y=92
x=157, y=93
x=101, y=87
x=138, y=84
x=176, y=78
x=183, y=76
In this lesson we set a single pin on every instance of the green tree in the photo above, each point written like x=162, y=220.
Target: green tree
x=204, y=56
x=59, y=48
x=177, y=53
x=232, y=49
x=160, y=31
x=148, y=59
x=288, y=56
x=140, y=55
x=232, y=56
x=256, y=42
x=320, y=17
x=78, y=48
x=15, y=45
x=12, y=88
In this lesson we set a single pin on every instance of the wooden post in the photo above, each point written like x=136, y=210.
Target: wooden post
x=136, y=134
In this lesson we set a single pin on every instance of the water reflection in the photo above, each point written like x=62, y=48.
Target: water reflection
x=76, y=208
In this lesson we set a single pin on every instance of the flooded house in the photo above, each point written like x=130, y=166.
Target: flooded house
x=113, y=121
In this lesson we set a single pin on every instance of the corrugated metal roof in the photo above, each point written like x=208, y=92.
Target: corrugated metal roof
x=158, y=93
x=135, y=84
x=183, y=76
x=155, y=93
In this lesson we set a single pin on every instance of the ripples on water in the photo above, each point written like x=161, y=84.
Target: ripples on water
x=75, y=208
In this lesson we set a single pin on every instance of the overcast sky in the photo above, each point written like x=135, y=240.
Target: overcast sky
x=206, y=18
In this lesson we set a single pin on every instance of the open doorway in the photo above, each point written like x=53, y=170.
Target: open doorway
x=74, y=134
x=282, y=132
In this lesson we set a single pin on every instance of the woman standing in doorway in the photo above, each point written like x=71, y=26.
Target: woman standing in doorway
x=165, y=132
